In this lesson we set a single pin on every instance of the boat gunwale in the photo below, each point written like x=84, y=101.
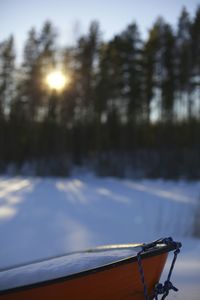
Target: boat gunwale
x=154, y=251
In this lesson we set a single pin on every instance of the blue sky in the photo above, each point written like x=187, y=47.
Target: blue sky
x=72, y=17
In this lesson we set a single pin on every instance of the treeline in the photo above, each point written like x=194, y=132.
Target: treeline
x=131, y=105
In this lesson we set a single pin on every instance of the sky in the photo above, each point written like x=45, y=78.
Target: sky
x=72, y=17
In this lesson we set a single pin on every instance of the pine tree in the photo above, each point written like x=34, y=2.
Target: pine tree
x=159, y=73
x=29, y=88
x=46, y=63
x=132, y=73
x=86, y=63
x=7, y=92
x=184, y=64
x=153, y=71
x=70, y=94
x=7, y=75
x=195, y=44
x=148, y=68
x=119, y=84
x=168, y=81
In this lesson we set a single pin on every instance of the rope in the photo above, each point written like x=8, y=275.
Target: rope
x=160, y=289
x=142, y=275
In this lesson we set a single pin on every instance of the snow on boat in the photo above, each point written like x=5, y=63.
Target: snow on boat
x=108, y=272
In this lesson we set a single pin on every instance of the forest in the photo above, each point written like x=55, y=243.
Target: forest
x=131, y=106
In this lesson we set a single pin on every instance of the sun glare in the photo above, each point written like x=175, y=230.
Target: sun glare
x=56, y=80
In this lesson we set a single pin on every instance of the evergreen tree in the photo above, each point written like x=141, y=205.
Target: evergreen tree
x=148, y=68
x=184, y=65
x=38, y=60
x=7, y=75
x=132, y=73
x=47, y=63
x=153, y=70
x=159, y=73
x=7, y=92
x=119, y=85
x=29, y=87
x=195, y=36
x=86, y=63
x=168, y=81
x=111, y=101
x=86, y=68
x=70, y=95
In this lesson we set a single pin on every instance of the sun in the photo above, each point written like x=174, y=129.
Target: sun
x=56, y=80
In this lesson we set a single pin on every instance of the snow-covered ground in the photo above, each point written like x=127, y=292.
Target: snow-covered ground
x=46, y=217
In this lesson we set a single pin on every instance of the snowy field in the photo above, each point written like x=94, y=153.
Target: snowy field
x=46, y=217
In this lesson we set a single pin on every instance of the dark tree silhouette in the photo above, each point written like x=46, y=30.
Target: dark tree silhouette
x=130, y=104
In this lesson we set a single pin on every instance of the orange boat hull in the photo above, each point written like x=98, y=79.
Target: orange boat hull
x=116, y=282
